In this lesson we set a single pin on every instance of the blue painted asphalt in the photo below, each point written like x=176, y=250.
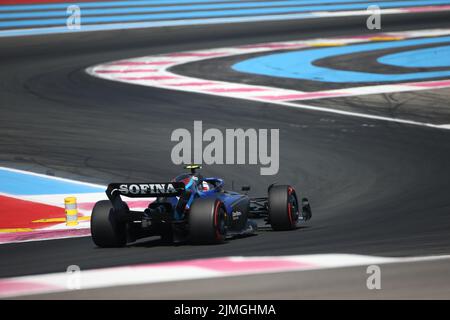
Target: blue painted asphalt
x=103, y=4
x=97, y=4
x=112, y=9
x=18, y=183
x=152, y=24
x=300, y=64
x=422, y=58
x=216, y=13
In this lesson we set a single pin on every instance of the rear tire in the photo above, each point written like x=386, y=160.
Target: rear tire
x=106, y=230
x=283, y=208
x=207, y=219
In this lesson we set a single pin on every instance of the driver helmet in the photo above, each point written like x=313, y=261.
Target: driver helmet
x=205, y=186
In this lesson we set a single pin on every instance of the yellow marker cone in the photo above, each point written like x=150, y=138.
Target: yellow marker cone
x=70, y=204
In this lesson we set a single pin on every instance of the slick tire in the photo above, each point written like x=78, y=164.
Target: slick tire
x=283, y=208
x=207, y=222
x=106, y=230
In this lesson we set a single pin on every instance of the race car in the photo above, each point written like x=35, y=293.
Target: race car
x=192, y=209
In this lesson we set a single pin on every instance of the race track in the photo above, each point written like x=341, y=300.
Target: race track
x=377, y=188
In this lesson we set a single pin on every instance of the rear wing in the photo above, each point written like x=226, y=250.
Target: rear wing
x=140, y=190
x=145, y=190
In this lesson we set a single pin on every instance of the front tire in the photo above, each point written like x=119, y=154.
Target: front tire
x=283, y=208
x=106, y=230
x=207, y=222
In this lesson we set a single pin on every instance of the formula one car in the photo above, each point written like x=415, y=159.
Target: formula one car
x=192, y=208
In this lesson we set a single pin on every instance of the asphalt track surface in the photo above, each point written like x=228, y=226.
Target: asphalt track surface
x=376, y=188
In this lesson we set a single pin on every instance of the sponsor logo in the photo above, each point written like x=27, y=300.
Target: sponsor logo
x=147, y=188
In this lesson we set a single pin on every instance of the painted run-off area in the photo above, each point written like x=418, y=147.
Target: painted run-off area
x=157, y=71
x=32, y=206
x=189, y=270
x=13, y=2
x=49, y=18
